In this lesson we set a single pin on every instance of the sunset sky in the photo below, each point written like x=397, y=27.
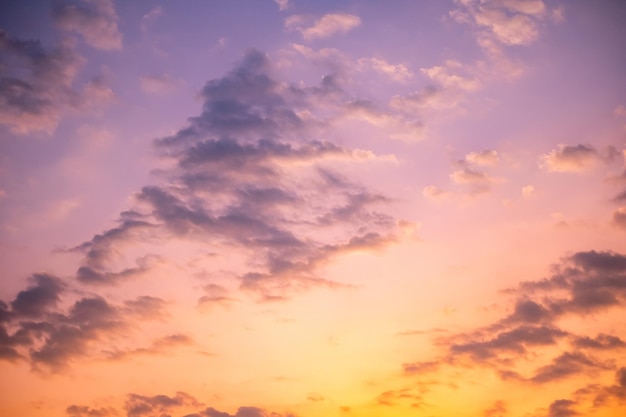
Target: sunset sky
x=304, y=208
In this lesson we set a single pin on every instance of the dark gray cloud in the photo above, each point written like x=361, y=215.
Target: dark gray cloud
x=39, y=329
x=164, y=405
x=84, y=411
x=250, y=174
x=591, y=281
x=601, y=342
x=528, y=311
x=37, y=85
x=568, y=364
x=562, y=408
x=144, y=406
x=513, y=341
x=39, y=298
x=582, y=285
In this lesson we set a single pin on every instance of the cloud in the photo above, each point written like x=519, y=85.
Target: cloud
x=243, y=172
x=40, y=329
x=94, y=20
x=323, y=27
x=181, y=403
x=562, y=408
x=565, y=365
x=448, y=75
x=282, y=4
x=501, y=24
x=150, y=18
x=485, y=157
x=528, y=191
x=84, y=411
x=158, y=83
x=396, y=397
x=619, y=217
x=39, y=298
x=601, y=342
x=513, y=341
x=161, y=346
x=141, y=405
x=420, y=367
x=215, y=295
x=535, y=342
x=468, y=173
x=574, y=158
x=510, y=22
x=470, y=176
x=433, y=192
x=395, y=72
x=37, y=85
x=497, y=410
x=620, y=110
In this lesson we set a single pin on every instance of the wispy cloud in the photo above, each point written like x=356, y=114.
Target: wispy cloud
x=94, y=20
x=158, y=83
x=324, y=27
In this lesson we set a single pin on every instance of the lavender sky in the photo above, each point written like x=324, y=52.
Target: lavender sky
x=312, y=208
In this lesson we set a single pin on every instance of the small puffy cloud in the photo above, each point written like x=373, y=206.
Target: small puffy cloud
x=396, y=72
x=528, y=191
x=433, y=192
x=485, y=157
x=323, y=27
x=158, y=83
x=562, y=408
x=94, y=20
x=570, y=158
x=619, y=217
x=468, y=175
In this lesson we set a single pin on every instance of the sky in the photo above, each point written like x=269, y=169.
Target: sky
x=298, y=208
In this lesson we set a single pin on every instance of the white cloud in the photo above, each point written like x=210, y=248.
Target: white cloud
x=323, y=27
x=528, y=191
x=485, y=157
x=396, y=72
x=433, y=192
x=448, y=75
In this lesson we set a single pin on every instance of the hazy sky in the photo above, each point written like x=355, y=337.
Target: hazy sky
x=301, y=208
